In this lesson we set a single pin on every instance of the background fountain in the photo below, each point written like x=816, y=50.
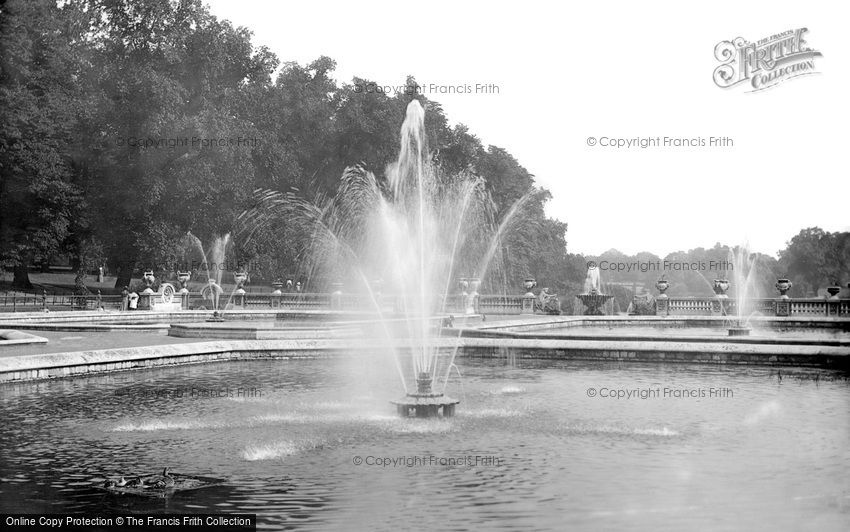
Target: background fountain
x=592, y=297
x=744, y=268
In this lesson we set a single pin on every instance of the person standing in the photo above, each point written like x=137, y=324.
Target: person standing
x=125, y=298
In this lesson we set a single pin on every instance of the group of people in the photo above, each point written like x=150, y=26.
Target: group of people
x=129, y=300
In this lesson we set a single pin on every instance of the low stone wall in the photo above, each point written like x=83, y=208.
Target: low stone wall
x=540, y=323
x=57, y=365
x=26, y=319
x=662, y=355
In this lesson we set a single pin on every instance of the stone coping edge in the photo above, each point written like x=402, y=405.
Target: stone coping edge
x=52, y=365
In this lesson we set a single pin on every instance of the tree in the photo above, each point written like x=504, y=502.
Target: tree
x=42, y=54
x=814, y=258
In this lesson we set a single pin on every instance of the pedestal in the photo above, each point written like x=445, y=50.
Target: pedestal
x=718, y=306
x=662, y=306
x=832, y=306
x=528, y=304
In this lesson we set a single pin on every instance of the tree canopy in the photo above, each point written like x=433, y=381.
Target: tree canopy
x=127, y=125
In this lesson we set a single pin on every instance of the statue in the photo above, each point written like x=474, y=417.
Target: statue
x=549, y=302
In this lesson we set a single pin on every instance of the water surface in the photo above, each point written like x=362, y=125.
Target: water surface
x=762, y=453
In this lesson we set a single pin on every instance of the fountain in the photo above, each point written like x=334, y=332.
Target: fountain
x=212, y=292
x=415, y=230
x=214, y=264
x=592, y=297
x=744, y=269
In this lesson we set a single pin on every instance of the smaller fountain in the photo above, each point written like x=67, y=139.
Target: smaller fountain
x=212, y=292
x=424, y=402
x=593, y=298
x=721, y=286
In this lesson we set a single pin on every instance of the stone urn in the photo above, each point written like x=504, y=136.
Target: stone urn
x=336, y=288
x=833, y=290
x=662, y=285
x=148, y=278
x=783, y=285
x=240, y=278
x=183, y=278
x=278, y=287
x=529, y=284
x=720, y=287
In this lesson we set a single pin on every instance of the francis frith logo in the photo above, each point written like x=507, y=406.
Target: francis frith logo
x=765, y=63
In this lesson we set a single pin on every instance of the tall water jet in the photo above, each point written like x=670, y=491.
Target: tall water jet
x=744, y=268
x=413, y=183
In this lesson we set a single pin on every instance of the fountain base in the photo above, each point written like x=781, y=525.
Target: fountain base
x=593, y=303
x=215, y=318
x=739, y=331
x=424, y=402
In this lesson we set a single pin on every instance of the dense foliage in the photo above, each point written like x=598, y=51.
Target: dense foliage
x=110, y=115
x=108, y=107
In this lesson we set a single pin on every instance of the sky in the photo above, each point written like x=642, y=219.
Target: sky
x=612, y=70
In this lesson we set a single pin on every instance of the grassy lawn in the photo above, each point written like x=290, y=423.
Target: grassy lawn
x=60, y=282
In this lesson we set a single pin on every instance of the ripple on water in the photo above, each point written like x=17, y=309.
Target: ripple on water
x=417, y=426
x=279, y=449
x=509, y=390
x=764, y=411
x=491, y=412
x=663, y=432
x=163, y=424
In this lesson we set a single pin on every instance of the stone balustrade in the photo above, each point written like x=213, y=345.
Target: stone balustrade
x=708, y=306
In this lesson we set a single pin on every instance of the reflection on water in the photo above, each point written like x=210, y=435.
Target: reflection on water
x=530, y=448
